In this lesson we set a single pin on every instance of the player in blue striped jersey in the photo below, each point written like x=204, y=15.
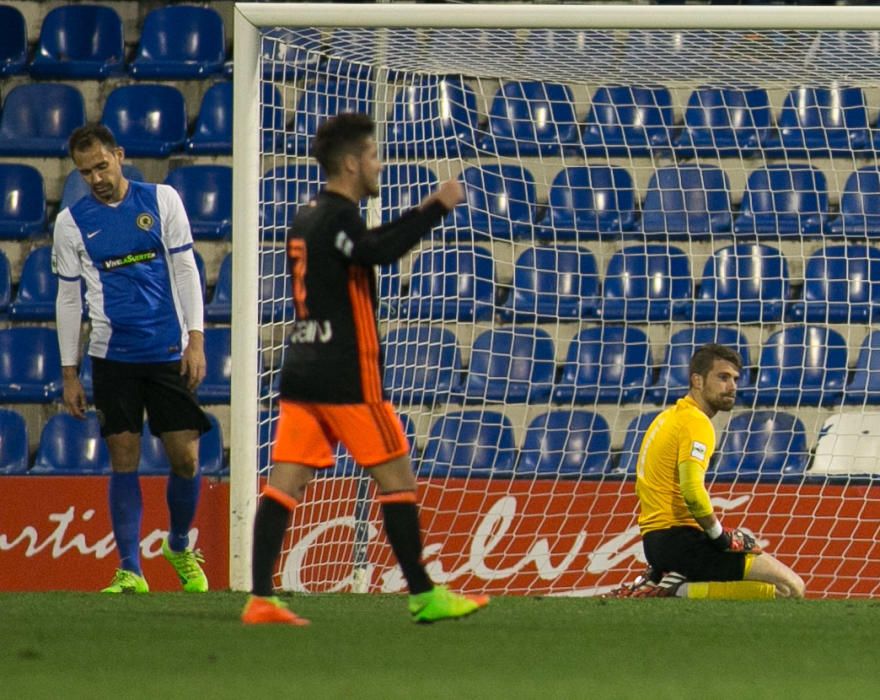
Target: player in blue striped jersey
x=131, y=244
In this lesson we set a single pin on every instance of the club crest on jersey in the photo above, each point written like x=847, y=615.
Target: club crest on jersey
x=144, y=221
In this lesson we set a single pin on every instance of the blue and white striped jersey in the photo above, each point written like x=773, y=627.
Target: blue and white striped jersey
x=124, y=253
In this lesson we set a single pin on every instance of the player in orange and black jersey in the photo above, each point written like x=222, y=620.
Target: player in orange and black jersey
x=331, y=382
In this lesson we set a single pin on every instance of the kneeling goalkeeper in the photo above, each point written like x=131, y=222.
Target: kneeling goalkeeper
x=680, y=531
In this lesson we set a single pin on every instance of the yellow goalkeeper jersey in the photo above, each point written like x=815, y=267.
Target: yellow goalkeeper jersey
x=681, y=433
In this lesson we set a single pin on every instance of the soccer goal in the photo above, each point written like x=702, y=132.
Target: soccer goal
x=640, y=181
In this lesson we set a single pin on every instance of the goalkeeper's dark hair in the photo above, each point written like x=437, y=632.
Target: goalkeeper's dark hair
x=704, y=359
x=342, y=135
x=84, y=136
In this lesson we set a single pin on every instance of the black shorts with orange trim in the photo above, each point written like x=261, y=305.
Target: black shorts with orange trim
x=307, y=433
x=689, y=552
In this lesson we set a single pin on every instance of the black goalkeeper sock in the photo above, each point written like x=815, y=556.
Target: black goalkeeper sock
x=270, y=525
x=402, y=528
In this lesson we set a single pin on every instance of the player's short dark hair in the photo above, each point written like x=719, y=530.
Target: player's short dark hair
x=84, y=136
x=704, y=358
x=342, y=135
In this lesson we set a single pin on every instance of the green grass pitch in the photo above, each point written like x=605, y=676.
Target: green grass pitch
x=85, y=645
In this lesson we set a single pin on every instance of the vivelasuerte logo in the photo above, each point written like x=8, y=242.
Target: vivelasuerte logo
x=130, y=259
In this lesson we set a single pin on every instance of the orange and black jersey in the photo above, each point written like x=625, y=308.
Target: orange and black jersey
x=334, y=355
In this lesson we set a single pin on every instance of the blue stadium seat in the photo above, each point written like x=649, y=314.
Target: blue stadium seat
x=206, y=191
x=841, y=285
x=762, y=444
x=859, y=205
x=565, y=443
x=605, y=364
x=422, y=364
x=33, y=376
x=212, y=134
x=632, y=443
x=13, y=41
x=5, y=284
x=723, y=122
x=452, y=284
x=510, y=365
x=275, y=300
x=783, y=201
x=218, y=354
x=154, y=460
x=180, y=43
x=219, y=309
x=75, y=188
x=589, y=203
x=70, y=446
x=148, y=120
x=325, y=99
x=37, y=119
x=744, y=283
x=628, y=121
x=501, y=203
x=687, y=202
x=801, y=365
x=817, y=122
x=674, y=381
x=865, y=384
x=553, y=284
x=648, y=283
x=86, y=375
x=284, y=190
x=80, y=42
x=13, y=443
x=404, y=185
x=434, y=117
x=22, y=202
x=388, y=295
x=528, y=118
x=464, y=444
x=37, y=288
x=289, y=55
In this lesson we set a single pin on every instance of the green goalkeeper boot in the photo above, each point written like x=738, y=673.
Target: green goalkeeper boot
x=188, y=565
x=442, y=604
x=127, y=582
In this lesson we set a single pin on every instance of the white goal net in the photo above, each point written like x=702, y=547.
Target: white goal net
x=631, y=194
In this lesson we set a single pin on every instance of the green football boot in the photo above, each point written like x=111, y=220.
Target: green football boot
x=187, y=564
x=127, y=582
x=442, y=604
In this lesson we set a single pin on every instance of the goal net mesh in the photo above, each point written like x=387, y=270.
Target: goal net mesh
x=631, y=195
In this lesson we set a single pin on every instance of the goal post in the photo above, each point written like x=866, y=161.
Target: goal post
x=640, y=180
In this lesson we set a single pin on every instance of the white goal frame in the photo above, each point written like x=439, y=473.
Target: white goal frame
x=249, y=18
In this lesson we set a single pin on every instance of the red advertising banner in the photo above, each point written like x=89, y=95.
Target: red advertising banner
x=55, y=533
x=576, y=538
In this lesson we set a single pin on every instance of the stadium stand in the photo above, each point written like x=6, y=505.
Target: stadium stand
x=724, y=122
x=179, y=43
x=422, y=365
x=206, y=191
x=500, y=203
x=219, y=309
x=859, y=205
x=329, y=97
x=628, y=121
x=147, y=120
x=5, y=284
x=783, y=200
x=216, y=387
x=687, y=202
x=290, y=54
x=565, y=443
x=629, y=453
x=13, y=442
x=553, y=283
x=285, y=189
x=510, y=365
x=471, y=443
x=762, y=444
x=33, y=376
x=70, y=446
x=865, y=384
x=23, y=198
x=404, y=185
x=37, y=118
x=589, y=203
x=35, y=298
x=13, y=41
x=454, y=284
x=80, y=42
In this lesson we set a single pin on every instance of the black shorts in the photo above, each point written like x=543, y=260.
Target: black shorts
x=124, y=389
x=689, y=552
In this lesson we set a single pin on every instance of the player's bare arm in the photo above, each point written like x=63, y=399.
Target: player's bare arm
x=74, y=395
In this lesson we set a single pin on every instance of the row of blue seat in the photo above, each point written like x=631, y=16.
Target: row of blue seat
x=577, y=443
x=798, y=365
x=88, y=42
x=599, y=202
x=72, y=446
